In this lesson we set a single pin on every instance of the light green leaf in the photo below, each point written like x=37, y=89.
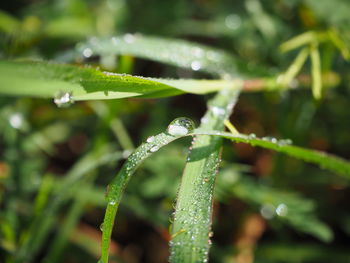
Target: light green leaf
x=46, y=80
x=174, y=52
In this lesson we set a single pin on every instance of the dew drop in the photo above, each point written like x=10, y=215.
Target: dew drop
x=233, y=21
x=87, y=52
x=101, y=227
x=150, y=139
x=16, y=120
x=218, y=111
x=129, y=38
x=126, y=153
x=112, y=202
x=267, y=211
x=63, y=99
x=180, y=126
x=285, y=142
x=282, y=210
x=154, y=149
x=252, y=136
x=196, y=65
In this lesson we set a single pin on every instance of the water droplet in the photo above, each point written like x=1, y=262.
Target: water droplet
x=285, y=142
x=87, y=52
x=252, y=136
x=217, y=111
x=101, y=227
x=150, y=139
x=233, y=21
x=129, y=38
x=269, y=139
x=154, y=149
x=63, y=99
x=16, y=120
x=180, y=126
x=112, y=202
x=282, y=210
x=126, y=153
x=267, y=211
x=196, y=65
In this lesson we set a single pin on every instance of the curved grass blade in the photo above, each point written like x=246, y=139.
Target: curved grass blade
x=118, y=184
x=46, y=80
x=326, y=161
x=192, y=220
x=204, y=156
x=174, y=52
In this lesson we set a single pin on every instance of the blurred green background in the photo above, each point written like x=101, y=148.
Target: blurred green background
x=55, y=163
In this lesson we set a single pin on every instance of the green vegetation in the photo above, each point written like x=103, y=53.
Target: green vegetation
x=82, y=82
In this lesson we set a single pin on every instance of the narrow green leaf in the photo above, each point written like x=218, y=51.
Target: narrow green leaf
x=316, y=72
x=294, y=68
x=178, y=128
x=188, y=55
x=192, y=220
x=298, y=41
x=47, y=80
x=326, y=161
x=42, y=79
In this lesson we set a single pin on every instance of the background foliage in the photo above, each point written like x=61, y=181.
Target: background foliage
x=55, y=163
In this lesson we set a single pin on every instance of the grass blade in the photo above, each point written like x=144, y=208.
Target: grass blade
x=326, y=161
x=178, y=128
x=316, y=72
x=294, y=68
x=192, y=220
x=188, y=55
x=47, y=80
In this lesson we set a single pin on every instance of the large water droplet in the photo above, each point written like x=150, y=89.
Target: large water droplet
x=180, y=126
x=63, y=99
x=101, y=227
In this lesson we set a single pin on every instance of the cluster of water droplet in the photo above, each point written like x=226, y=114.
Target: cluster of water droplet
x=276, y=141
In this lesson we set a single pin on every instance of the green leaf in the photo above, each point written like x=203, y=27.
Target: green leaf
x=316, y=71
x=326, y=161
x=119, y=183
x=46, y=80
x=193, y=213
x=174, y=52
